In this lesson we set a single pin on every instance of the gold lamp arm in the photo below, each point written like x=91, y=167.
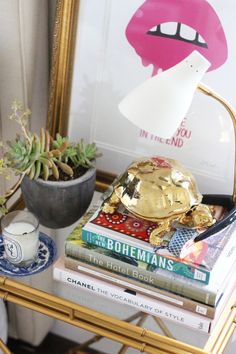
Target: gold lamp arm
x=209, y=92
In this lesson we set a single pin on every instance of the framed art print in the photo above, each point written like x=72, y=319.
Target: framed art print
x=120, y=44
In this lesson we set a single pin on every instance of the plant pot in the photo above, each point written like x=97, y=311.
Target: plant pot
x=59, y=204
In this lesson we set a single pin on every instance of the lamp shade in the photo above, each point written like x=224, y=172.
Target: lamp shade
x=161, y=103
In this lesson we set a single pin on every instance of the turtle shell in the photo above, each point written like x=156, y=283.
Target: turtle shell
x=156, y=188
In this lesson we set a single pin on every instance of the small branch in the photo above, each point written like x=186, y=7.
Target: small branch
x=12, y=191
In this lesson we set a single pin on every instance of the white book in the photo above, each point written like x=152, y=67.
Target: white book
x=139, y=301
x=167, y=297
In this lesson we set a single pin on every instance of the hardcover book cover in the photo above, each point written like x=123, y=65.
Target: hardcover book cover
x=145, y=273
x=80, y=265
x=125, y=234
x=116, y=293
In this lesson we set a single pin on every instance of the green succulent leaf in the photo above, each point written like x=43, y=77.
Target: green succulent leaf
x=38, y=166
x=41, y=155
x=59, y=141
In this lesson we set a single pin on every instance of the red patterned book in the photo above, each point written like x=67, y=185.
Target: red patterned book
x=123, y=233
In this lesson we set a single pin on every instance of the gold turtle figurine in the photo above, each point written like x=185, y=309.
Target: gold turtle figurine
x=161, y=190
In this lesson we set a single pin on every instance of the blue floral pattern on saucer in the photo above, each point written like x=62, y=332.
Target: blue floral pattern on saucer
x=46, y=257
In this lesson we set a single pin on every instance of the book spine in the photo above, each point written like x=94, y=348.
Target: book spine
x=152, y=258
x=154, y=279
x=129, y=284
x=140, y=302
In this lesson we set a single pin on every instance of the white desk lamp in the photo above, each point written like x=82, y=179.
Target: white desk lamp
x=160, y=104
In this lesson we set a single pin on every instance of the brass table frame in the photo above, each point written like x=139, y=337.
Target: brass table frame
x=4, y=348
x=128, y=334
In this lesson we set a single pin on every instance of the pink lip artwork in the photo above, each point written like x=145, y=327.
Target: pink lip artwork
x=164, y=50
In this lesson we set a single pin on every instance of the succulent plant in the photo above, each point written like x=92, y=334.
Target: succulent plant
x=42, y=156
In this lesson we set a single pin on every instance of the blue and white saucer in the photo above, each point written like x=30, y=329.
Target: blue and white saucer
x=46, y=256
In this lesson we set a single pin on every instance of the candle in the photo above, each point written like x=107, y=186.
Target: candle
x=19, y=228
x=21, y=237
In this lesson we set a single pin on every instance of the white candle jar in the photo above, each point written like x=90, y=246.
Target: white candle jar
x=20, y=231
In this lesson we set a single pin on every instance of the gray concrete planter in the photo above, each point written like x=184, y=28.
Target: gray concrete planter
x=59, y=204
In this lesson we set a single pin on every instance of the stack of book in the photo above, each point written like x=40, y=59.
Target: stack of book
x=109, y=254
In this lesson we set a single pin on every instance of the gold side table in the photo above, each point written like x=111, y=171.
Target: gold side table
x=126, y=333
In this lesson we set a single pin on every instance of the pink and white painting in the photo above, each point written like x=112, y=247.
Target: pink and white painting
x=122, y=43
x=164, y=32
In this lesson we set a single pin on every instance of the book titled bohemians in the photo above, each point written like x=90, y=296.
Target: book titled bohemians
x=146, y=274
x=123, y=233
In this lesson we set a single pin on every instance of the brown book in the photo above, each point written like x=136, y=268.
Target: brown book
x=137, y=287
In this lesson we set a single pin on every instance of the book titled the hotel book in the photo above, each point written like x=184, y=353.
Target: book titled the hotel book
x=136, y=286
x=141, y=302
x=131, y=268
